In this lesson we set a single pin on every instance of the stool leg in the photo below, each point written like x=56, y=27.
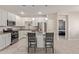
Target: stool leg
x=28, y=49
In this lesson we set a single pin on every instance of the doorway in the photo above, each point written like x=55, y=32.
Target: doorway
x=62, y=27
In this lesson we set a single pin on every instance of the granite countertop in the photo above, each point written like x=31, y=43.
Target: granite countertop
x=1, y=33
x=25, y=29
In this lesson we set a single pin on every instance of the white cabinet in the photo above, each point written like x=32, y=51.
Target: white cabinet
x=11, y=16
x=4, y=18
x=5, y=40
x=22, y=34
x=2, y=42
x=8, y=39
x=34, y=23
x=0, y=18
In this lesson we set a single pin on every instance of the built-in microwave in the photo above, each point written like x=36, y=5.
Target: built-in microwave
x=11, y=23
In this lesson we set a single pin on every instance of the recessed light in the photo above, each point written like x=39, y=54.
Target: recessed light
x=39, y=12
x=33, y=19
x=22, y=12
x=46, y=18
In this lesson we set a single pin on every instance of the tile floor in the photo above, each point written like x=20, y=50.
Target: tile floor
x=66, y=46
x=60, y=47
x=18, y=48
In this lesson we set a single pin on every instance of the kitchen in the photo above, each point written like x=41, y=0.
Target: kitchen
x=39, y=29
x=14, y=28
x=34, y=29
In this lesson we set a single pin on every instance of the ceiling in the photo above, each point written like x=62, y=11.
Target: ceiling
x=32, y=10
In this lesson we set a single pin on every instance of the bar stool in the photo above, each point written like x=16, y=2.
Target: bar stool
x=49, y=43
x=32, y=43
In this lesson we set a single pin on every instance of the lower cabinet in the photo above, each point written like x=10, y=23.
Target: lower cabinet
x=5, y=40
x=22, y=34
x=2, y=42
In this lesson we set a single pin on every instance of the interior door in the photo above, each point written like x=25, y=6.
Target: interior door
x=62, y=27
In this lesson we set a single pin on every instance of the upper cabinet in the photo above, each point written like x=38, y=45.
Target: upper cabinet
x=3, y=18
x=0, y=18
x=11, y=21
x=11, y=16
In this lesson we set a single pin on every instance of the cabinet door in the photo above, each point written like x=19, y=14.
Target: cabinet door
x=13, y=17
x=34, y=23
x=8, y=39
x=9, y=16
x=4, y=18
x=5, y=40
x=0, y=18
x=2, y=42
x=20, y=34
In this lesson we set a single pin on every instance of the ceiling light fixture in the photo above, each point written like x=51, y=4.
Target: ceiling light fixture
x=33, y=19
x=22, y=12
x=39, y=12
x=46, y=18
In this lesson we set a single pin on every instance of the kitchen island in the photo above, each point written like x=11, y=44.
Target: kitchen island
x=40, y=42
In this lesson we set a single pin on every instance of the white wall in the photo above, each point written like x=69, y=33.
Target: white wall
x=19, y=21
x=73, y=27
x=73, y=24
x=51, y=23
x=66, y=46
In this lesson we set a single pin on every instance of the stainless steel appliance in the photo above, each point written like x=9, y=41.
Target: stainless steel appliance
x=11, y=23
x=14, y=35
